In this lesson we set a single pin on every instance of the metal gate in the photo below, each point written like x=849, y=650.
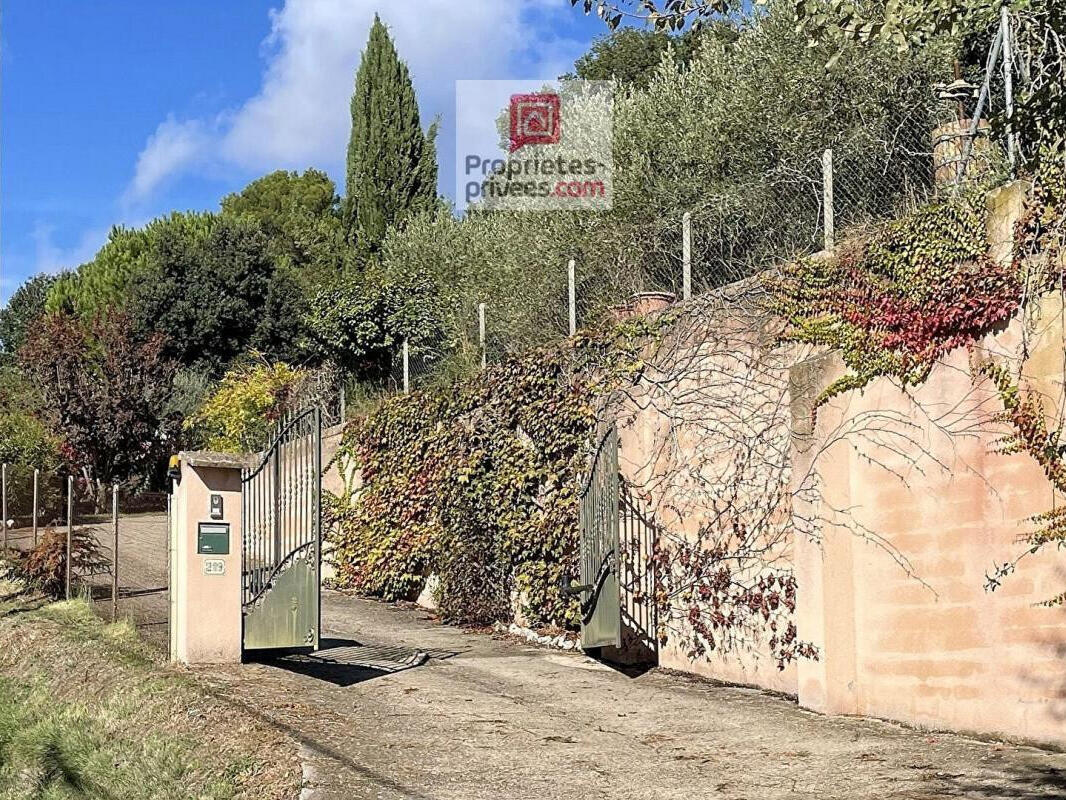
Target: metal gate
x=281, y=544
x=601, y=613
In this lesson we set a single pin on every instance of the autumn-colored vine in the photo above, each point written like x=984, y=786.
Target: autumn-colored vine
x=476, y=482
x=895, y=302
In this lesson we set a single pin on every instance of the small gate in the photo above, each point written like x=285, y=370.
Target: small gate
x=601, y=615
x=281, y=544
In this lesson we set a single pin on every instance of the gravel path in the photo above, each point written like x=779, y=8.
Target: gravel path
x=398, y=706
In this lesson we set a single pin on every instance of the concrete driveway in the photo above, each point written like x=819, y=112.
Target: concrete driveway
x=399, y=706
x=487, y=717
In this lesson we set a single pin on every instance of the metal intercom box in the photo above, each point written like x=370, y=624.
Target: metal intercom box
x=212, y=539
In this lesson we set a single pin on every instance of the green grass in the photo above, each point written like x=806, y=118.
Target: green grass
x=54, y=750
x=77, y=623
x=86, y=712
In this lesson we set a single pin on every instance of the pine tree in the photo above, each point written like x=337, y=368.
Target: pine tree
x=392, y=166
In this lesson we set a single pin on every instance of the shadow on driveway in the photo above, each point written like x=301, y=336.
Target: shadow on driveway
x=345, y=662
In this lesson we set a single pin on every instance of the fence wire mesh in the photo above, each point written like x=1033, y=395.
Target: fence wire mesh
x=809, y=198
x=70, y=517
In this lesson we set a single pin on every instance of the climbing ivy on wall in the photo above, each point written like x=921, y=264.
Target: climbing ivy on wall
x=1042, y=230
x=897, y=301
x=1034, y=427
x=476, y=482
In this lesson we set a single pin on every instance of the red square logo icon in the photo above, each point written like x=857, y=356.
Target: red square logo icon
x=534, y=119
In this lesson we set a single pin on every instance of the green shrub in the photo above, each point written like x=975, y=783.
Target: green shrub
x=238, y=415
x=26, y=444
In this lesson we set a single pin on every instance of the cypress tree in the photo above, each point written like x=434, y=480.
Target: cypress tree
x=392, y=165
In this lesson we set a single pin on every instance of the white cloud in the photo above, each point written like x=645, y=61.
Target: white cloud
x=300, y=116
x=173, y=147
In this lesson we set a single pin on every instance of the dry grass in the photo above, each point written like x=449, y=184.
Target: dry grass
x=86, y=711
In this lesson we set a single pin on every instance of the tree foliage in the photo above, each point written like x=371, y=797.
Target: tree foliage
x=24, y=308
x=1039, y=31
x=105, y=387
x=1038, y=42
x=734, y=138
x=26, y=443
x=631, y=55
x=207, y=295
x=275, y=198
x=102, y=283
x=300, y=215
x=106, y=282
x=359, y=323
x=238, y=414
x=662, y=15
x=392, y=163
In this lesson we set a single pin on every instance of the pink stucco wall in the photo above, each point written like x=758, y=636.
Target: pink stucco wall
x=713, y=394
x=900, y=504
x=917, y=508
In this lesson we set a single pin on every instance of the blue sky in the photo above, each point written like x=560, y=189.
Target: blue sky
x=115, y=112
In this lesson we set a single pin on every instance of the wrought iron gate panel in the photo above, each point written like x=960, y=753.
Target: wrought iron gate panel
x=281, y=544
x=601, y=618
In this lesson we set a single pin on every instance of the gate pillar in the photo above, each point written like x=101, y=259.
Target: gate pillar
x=205, y=559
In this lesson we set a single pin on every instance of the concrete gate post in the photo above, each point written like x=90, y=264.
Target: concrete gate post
x=205, y=559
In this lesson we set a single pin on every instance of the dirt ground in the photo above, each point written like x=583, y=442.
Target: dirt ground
x=399, y=706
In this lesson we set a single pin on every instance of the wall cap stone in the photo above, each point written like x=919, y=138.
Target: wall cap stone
x=210, y=458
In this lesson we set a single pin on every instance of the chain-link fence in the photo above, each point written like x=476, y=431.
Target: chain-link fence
x=856, y=176
x=797, y=211
x=75, y=537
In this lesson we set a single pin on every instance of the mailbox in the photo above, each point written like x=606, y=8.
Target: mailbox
x=212, y=539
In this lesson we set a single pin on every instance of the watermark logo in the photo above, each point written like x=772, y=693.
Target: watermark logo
x=534, y=119
x=535, y=145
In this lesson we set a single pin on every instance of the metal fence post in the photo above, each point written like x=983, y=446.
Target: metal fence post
x=1008, y=85
x=572, y=277
x=3, y=492
x=114, y=554
x=982, y=98
x=36, y=478
x=686, y=256
x=827, y=199
x=70, y=529
x=406, y=367
x=481, y=333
